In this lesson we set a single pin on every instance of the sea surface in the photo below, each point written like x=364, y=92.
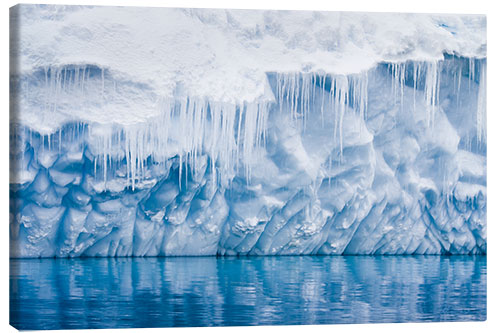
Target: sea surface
x=211, y=291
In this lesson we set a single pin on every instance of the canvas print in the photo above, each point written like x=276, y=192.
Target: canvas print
x=209, y=167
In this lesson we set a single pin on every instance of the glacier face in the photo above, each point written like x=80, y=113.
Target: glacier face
x=388, y=159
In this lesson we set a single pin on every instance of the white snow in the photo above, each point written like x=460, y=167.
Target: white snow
x=219, y=55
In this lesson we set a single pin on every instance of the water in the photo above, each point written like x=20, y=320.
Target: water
x=210, y=291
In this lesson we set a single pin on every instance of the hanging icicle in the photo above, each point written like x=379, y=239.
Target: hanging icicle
x=188, y=128
x=481, y=105
x=431, y=90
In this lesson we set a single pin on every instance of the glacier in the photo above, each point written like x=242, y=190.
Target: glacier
x=170, y=132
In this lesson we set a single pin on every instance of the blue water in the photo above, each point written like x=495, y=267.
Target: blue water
x=210, y=291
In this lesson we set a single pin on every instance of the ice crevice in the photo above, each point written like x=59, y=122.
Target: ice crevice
x=390, y=160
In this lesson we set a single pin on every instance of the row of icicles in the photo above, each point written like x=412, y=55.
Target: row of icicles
x=232, y=134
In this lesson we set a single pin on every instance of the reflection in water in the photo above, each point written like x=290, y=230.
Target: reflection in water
x=210, y=291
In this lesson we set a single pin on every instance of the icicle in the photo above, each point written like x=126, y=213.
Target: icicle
x=323, y=80
x=481, y=105
x=416, y=75
x=471, y=71
x=431, y=90
x=339, y=94
x=459, y=101
x=358, y=92
x=180, y=171
x=398, y=72
x=402, y=71
x=250, y=136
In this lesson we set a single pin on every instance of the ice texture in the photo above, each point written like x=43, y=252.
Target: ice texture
x=344, y=133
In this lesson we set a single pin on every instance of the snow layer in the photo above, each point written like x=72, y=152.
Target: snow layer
x=142, y=55
x=151, y=132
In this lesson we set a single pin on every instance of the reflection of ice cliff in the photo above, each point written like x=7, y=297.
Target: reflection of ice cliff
x=390, y=159
x=207, y=291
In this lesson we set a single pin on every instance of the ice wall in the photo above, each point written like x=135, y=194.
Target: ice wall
x=234, y=154
x=389, y=161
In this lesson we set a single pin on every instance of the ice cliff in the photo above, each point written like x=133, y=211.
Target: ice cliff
x=146, y=132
